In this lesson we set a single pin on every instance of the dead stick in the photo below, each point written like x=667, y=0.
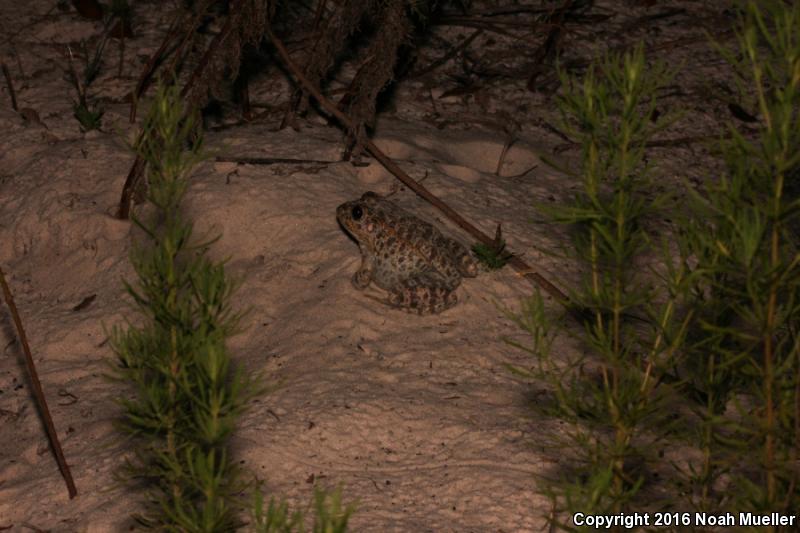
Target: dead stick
x=37, y=391
x=657, y=143
x=661, y=143
x=521, y=266
x=270, y=160
x=448, y=56
x=10, y=86
x=134, y=175
x=144, y=76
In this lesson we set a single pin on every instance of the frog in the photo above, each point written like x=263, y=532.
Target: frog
x=409, y=258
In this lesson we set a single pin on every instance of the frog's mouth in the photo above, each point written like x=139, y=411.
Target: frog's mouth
x=348, y=232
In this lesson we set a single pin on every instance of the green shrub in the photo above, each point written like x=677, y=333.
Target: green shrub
x=742, y=241
x=187, y=397
x=716, y=370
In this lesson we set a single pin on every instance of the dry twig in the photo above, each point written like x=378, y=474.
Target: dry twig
x=38, y=393
x=11, y=92
x=449, y=55
x=271, y=160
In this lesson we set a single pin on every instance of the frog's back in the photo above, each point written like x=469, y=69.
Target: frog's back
x=418, y=245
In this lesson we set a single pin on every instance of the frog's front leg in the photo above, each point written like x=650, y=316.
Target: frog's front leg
x=363, y=275
x=425, y=293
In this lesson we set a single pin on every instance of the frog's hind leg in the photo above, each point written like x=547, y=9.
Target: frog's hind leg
x=463, y=260
x=425, y=293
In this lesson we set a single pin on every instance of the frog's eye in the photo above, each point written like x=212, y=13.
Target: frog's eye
x=357, y=213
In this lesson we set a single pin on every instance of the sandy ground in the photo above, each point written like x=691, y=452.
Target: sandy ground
x=415, y=417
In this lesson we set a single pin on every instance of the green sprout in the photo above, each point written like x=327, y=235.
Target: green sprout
x=494, y=256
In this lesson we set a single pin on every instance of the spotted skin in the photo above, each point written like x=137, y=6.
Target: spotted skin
x=409, y=258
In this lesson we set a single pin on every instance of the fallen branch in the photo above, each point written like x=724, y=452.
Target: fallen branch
x=149, y=69
x=270, y=160
x=38, y=393
x=657, y=143
x=10, y=84
x=128, y=189
x=330, y=107
x=448, y=56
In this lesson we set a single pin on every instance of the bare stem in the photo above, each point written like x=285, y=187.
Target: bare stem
x=38, y=393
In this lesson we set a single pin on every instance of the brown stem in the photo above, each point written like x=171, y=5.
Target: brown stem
x=134, y=175
x=10, y=86
x=244, y=97
x=121, y=49
x=75, y=80
x=270, y=160
x=793, y=454
x=147, y=73
x=38, y=393
x=521, y=266
x=769, y=374
x=448, y=56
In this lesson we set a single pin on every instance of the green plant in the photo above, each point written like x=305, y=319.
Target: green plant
x=718, y=373
x=741, y=239
x=187, y=398
x=88, y=116
x=610, y=391
x=89, y=119
x=496, y=256
x=93, y=61
x=329, y=516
